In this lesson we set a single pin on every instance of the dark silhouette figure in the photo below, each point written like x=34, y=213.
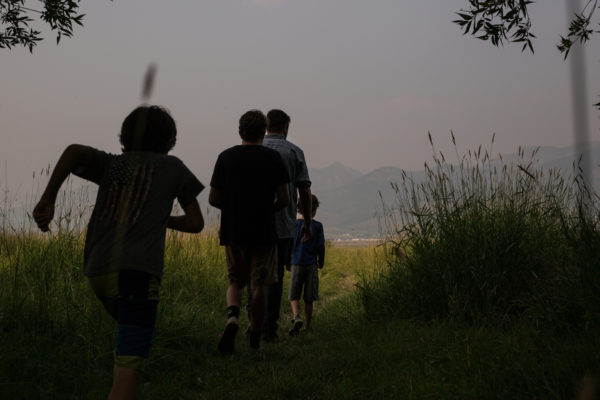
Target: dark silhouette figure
x=125, y=241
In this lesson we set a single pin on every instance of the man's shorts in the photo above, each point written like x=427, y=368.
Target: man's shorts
x=306, y=276
x=131, y=298
x=254, y=264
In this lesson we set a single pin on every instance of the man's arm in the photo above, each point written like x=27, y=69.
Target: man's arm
x=306, y=207
x=74, y=156
x=215, y=198
x=191, y=222
x=283, y=197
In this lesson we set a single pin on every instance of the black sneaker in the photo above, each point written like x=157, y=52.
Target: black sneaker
x=270, y=336
x=296, y=326
x=228, y=337
x=255, y=340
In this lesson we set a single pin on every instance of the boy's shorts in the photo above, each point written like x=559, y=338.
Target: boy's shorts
x=254, y=264
x=307, y=276
x=131, y=298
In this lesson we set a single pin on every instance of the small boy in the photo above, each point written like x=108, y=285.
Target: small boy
x=307, y=257
x=125, y=240
x=249, y=183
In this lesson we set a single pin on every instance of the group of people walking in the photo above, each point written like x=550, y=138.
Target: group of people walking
x=258, y=186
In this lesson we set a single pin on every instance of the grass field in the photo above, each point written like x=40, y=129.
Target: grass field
x=57, y=341
x=496, y=299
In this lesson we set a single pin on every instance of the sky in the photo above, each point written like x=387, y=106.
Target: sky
x=363, y=81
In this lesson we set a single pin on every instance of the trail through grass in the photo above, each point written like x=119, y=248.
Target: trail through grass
x=57, y=340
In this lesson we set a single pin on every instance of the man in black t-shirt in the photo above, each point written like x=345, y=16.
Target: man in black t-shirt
x=248, y=185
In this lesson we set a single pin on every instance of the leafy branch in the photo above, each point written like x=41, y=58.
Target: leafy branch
x=579, y=28
x=500, y=21
x=15, y=18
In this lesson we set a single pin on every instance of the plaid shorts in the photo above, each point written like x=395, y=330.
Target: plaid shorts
x=254, y=264
x=306, y=276
x=131, y=298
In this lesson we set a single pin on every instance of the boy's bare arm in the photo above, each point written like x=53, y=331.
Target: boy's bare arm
x=191, y=222
x=321, y=243
x=74, y=156
x=215, y=198
x=283, y=197
x=306, y=206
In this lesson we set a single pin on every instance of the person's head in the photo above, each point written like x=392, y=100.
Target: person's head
x=315, y=205
x=252, y=126
x=278, y=122
x=148, y=128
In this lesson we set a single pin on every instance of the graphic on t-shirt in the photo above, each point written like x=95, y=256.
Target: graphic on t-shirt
x=128, y=188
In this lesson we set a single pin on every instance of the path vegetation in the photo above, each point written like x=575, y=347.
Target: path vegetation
x=496, y=299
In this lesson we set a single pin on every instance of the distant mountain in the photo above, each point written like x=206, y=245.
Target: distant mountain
x=350, y=200
x=332, y=177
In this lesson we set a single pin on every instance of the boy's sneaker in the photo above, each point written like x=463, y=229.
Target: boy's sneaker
x=296, y=326
x=228, y=336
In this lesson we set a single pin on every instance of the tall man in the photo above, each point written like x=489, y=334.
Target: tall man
x=278, y=123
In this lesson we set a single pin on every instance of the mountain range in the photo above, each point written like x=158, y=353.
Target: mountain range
x=350, y=200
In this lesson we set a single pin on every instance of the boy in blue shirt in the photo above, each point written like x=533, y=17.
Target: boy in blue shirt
x=307, y=258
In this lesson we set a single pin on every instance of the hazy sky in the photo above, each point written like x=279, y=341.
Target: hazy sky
x=362, y=80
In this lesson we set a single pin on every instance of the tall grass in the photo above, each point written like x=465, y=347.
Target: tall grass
x=520, y=247
x=492, y=242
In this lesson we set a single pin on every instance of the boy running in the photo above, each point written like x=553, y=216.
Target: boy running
x=307, y=256
x=125, y=240
x=248, y=185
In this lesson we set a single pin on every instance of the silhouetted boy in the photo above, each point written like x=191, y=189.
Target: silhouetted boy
x=125, y=241
x=249, y=184
x=307, y=257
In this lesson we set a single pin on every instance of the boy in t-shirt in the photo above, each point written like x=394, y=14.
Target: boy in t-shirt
x=125, y=240
x=249, y=183
x=307, y=257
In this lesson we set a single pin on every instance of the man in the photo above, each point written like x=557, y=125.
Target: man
x=278, y=123
x=245, y=181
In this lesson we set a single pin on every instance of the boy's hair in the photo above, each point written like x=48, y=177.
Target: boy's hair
x=148, y=128
x=277, y=121
x=315, y=204
x=252, y=126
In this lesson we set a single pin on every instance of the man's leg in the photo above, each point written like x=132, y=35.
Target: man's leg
x=249, y=298
x=275, y=290
x=126, y=383
x=257, y=313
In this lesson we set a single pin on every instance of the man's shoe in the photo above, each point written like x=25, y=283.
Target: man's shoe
x=296, y=326
x=254, y=340
x=270, y=336
x=228, y=337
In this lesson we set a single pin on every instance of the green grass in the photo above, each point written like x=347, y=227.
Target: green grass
x=497, y=299
x=57, y=340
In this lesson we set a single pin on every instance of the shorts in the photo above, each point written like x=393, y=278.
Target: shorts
x=254, y=264
x=131, y=298
x=306, y=276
